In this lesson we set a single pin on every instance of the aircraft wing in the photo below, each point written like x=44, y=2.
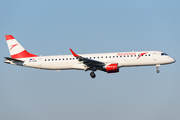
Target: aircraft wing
x=87, y=61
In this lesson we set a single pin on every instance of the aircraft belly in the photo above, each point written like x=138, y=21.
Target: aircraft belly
x=57, y=65
x=137, y=62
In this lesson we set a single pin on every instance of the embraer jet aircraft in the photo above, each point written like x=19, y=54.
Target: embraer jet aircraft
x=107, y=62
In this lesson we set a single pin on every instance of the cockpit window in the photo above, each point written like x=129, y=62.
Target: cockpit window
x=164, y=54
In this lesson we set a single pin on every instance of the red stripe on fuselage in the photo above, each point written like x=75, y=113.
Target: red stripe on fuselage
x=23, y=54
x=141, y=55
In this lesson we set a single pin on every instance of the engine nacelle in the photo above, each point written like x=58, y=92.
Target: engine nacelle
x=111, y=68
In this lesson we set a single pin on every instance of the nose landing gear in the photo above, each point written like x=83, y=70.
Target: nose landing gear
x=92, y=74
x=157, y=66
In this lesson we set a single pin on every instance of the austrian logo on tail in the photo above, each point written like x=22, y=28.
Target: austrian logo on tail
x=12, y=46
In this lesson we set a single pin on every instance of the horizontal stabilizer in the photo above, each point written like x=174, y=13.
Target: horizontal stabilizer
x=12, y=59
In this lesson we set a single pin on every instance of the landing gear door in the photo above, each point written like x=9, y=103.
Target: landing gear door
x=40, y=61
x=154, y=56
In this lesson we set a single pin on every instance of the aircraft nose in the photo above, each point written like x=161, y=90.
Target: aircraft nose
x=172, y=60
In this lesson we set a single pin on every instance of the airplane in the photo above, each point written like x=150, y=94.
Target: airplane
x=107, y=62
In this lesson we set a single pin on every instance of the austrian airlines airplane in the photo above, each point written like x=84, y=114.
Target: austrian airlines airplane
x=107, y=62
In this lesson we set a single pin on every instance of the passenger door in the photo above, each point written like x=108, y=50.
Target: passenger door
x=154, y=56
x=40, y=61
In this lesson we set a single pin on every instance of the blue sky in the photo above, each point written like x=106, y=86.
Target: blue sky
x=96, y=26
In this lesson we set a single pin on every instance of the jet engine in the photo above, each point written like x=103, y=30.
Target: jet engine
x=111, y=68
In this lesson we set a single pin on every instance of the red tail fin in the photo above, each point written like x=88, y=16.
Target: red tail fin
x=15, y=49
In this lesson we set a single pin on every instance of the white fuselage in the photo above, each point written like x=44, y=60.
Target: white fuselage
x=124, y=59
x=107, y=62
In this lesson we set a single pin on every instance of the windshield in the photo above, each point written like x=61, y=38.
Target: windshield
x=164, y=54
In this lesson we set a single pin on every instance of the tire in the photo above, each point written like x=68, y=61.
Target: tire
x=92, y=74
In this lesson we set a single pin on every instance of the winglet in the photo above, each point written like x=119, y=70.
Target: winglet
x=74, y=54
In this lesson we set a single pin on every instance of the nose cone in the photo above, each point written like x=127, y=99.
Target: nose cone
x=172, y=60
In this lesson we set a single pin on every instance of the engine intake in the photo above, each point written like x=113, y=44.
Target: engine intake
x=111, y=68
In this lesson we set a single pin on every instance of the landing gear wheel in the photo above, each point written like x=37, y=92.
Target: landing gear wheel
x=157, y=66
x=158, y=71
x=92, y=74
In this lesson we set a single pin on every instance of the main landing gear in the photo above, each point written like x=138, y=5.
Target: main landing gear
x=92, y=74
x=157, y=66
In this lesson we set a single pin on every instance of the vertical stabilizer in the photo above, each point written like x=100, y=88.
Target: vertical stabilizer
x=15, y=49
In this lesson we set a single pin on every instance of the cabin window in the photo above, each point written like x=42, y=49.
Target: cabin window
x=131, y=55
x=48, y=59
x=59, y=59
x=127, y=55
x=52, y=59
x=109, y=56
x=117, y=56
x=106, y=56
x=149, y=55
x=94, y=57
x=69, y=58
x=63, y=59
x=73, y=58
x=101, y=56
x=66, y=58
x=124, y=56
x=45, y=60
